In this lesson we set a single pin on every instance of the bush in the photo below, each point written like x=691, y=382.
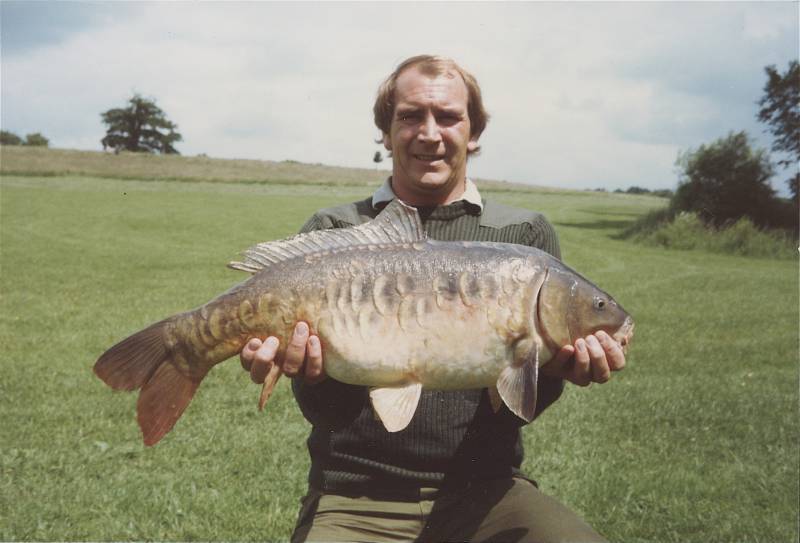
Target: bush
x=687, y=231
x=649, y=223
x=36, y=140
x=9, y=138
x=785, y=215
x=724, y=181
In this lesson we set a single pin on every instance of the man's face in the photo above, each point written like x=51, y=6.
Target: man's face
x=429, y=138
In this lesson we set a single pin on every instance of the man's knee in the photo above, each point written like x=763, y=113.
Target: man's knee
x=524, y=514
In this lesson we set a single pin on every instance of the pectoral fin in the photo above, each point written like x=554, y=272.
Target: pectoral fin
x=396, y=405
x=517, y=387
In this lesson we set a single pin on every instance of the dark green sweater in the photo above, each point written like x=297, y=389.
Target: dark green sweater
x=454, y=436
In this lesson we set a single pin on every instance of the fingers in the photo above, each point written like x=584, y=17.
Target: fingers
x=314, y=370
x=303, y=356
x=596, y=356
x=263, y=359
x=613, y=351
x=296, y=350
x=249, y=352
x=581, y=373
x=599, y=365
x=590, y=360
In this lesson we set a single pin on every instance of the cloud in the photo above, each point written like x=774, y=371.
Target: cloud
x=581, y=95
x=28, y=26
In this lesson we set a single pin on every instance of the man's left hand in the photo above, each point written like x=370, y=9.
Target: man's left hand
x=589, y=360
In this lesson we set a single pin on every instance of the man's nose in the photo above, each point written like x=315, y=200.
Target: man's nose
x=429, y=129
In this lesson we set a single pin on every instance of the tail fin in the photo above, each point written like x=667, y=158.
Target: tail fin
x=129, y=364
x=142, y=361
x=162, y=402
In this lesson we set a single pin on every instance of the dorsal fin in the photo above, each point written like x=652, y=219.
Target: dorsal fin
x=397, y=223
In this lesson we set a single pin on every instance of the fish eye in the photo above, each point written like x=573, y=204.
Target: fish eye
x=599, y=303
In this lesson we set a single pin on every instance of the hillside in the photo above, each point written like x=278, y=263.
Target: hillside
x=41, y=161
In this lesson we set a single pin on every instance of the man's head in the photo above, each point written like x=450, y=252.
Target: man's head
x=430, y=65
x=431, y=115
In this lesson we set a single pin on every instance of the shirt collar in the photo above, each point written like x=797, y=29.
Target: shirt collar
x=385, y=194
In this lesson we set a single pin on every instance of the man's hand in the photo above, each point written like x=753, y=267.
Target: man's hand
x=589, y=360
x=303, y=357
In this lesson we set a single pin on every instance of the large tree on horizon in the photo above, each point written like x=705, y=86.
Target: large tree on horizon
x=141, y=127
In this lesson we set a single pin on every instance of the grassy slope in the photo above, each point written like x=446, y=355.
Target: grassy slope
x=41, y=161
x=696, y=441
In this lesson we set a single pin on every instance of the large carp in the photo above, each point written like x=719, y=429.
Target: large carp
x=393, y=311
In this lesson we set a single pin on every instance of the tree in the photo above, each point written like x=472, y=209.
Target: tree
x=9, y=138
x=377, y=158
x=142, y=127
x=780, y=110
x=36, y=140
x=726, y=180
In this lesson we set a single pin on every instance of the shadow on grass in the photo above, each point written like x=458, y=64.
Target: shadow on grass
x=616, y=213
x=599, y=224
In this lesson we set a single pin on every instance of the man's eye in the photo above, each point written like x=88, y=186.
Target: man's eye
x=448, y=119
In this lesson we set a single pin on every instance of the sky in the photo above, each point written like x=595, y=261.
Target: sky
x=581, y=94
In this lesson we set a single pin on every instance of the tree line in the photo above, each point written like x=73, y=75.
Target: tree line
x=34, y=140
x=634, y=189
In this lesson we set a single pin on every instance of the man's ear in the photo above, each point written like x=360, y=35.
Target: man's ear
x=387, y=142
x=472, y=144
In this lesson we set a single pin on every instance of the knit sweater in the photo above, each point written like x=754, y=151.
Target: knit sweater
x=454, y=436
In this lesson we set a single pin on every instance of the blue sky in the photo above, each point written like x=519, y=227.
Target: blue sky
x=582, y=95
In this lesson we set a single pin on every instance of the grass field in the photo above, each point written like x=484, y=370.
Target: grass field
x=697, y=440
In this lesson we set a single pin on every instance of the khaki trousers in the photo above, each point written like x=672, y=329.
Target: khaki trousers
x=504, y=510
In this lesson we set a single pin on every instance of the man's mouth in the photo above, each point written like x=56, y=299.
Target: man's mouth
x=428, y=158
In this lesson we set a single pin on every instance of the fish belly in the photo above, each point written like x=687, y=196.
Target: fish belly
x=458, y=354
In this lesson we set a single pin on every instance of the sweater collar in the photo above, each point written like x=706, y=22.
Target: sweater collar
x=385, y=194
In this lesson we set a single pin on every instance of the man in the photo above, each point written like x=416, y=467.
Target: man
x=453, y=473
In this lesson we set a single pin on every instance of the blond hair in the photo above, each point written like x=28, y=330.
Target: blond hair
x=431, y=65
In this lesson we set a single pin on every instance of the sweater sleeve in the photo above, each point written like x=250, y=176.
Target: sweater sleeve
x=543, y=236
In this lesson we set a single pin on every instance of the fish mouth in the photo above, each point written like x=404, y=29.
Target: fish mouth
x=624, y=335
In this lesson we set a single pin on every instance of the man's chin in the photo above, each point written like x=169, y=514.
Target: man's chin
x=433, y=181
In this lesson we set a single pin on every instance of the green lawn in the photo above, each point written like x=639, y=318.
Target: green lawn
x=697, y=440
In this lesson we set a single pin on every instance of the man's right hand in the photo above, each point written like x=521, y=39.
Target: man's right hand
x=303, y=356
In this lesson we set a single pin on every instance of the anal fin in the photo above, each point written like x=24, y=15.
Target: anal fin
x=395, y=406
x=517, y=387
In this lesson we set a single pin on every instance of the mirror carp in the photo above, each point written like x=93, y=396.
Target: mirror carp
x=394, y=311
